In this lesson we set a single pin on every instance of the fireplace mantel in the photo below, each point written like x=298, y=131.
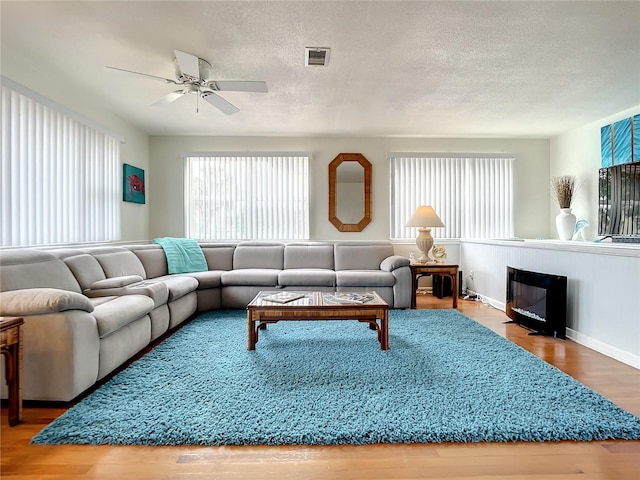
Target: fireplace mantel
x=603, y=304
x=591, y=248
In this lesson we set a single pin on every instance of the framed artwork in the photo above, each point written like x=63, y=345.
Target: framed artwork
x=620, y=142
x=132, y=184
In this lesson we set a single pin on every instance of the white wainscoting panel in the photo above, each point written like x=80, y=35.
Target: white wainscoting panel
x=603, y=286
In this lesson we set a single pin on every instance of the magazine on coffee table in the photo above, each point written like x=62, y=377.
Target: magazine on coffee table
x=283, y=297
x=353, y=297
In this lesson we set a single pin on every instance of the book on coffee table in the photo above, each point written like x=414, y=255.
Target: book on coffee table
x=283, y=297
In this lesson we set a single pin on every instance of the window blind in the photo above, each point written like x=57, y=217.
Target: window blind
x=59, y=176
x=233, y=196
x=473, y=195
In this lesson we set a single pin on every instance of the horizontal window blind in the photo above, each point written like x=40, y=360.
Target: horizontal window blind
x=59, y=177
x=247, y=196
x=473, y=195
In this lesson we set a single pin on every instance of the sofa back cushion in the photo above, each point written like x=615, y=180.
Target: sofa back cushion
x=219, y=256
x=152, y=258
x=86, y=269
x=28, y=268
x=361, y=255
x=118, y=262
x=308, y=255
x=258, y=255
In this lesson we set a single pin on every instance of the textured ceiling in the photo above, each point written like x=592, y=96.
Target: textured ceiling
x=522, y=69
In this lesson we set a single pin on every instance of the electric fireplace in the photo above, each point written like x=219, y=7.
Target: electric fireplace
x=537, y=301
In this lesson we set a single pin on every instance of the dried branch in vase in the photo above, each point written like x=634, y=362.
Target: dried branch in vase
x=564, y=187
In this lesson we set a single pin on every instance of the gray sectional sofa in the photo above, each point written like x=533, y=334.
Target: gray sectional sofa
x=89, y=309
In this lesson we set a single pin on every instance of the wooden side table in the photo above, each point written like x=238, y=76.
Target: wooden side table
x=11, y=348
x=420, y=269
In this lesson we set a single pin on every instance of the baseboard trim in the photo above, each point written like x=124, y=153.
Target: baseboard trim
x=604, y=348
x=584, y=340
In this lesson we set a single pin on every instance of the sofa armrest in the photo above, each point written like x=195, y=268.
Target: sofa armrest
x=157, y=291
x=115, y=282
x=40, y=301
x=389, y=264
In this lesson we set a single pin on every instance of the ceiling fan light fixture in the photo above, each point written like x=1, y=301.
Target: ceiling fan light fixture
x=316, y=56
x=191, y=88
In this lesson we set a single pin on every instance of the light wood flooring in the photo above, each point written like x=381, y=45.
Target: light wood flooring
x=618, y=460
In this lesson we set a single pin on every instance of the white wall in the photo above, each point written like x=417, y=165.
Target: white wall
x=603, y=282
x=577, y=152
x=532, y=195
x=134, y=218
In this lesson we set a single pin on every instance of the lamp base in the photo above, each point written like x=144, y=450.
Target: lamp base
x=424, y=243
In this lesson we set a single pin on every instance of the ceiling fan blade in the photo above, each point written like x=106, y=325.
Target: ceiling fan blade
x=238, y=86
x=168, y=98
x=154, y=77
x=220, y=103
x=188, y=64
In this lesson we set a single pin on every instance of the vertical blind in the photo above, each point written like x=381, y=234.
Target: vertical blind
x=59, y=176
x=473, y=195
x=232, y=196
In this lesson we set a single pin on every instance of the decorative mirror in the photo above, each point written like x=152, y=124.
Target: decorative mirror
x=350, y=192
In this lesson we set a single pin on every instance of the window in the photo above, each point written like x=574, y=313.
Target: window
x=233, y=196
x=60, y=180
x=473, y=195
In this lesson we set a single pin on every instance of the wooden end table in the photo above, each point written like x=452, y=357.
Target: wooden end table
x=420, y=269
x=11, y=348
x=318, y=306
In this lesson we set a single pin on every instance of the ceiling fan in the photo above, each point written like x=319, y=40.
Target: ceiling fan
x=193, y=75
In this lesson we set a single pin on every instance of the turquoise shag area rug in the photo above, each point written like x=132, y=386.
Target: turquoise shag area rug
x=445, y=379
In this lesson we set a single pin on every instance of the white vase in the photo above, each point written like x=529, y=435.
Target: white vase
x=566, y=224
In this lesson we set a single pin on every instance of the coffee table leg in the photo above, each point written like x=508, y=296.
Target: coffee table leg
x=384, y=330
x=251, y=332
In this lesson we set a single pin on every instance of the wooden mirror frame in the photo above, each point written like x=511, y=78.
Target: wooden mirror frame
x=333, y=173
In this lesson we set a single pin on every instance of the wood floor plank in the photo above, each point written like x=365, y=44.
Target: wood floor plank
x=615, y=459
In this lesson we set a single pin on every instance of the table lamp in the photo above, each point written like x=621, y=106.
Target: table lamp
x=425, y=217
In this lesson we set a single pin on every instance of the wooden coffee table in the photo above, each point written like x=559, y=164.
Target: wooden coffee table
x=318, y=306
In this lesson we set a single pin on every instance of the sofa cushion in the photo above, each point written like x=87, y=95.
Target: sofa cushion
x=219, y=256
x=251, y=276
x=307, y=277
x=364, y=278
x=260, y=255
x=178, y=285
x=85, y=268
x=37, y=301
x=209, y=279
x=152, y=258
x=115, y=312
x=27, y=268
x=308, y=255
x=118, y=262
x=361, y=255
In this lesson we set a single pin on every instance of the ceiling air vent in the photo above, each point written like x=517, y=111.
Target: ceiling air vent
x=316, y=56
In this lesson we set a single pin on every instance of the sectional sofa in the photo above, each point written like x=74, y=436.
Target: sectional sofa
x=89, y=309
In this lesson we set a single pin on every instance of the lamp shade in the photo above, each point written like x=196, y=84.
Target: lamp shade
x=425, y=216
